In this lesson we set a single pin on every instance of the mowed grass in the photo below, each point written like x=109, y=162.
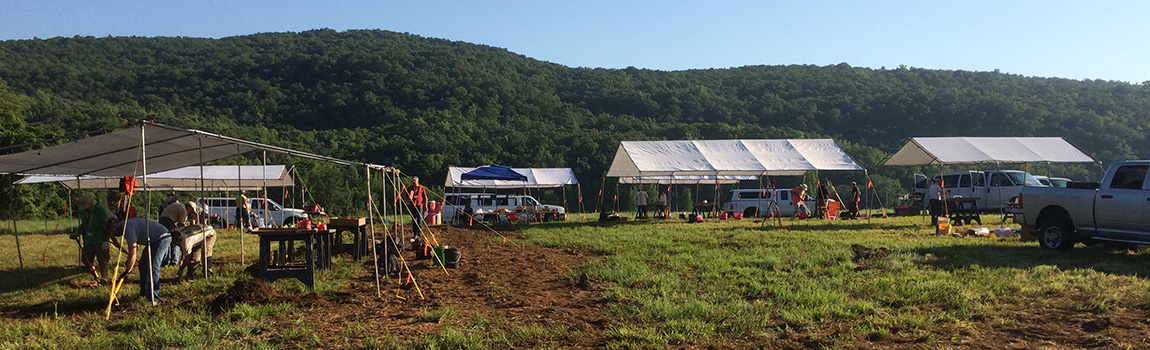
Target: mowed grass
x=676, y=283
x=668, y=283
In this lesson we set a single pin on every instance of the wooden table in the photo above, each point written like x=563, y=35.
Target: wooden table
x=282, y=263
x=962, y=210
x=359, y=247
x=704, y=208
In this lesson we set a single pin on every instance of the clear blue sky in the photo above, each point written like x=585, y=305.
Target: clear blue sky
x=1107, y=40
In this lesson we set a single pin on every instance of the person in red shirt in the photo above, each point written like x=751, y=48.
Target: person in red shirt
x=417, y=196
x=798, y=195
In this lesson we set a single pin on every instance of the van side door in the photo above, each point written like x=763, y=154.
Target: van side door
x=1000, y=187
x=1121, y=207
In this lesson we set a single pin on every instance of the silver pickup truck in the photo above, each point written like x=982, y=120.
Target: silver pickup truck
x=1116, y=210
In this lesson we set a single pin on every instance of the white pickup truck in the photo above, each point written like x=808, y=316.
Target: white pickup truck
x=1116, y=210
x=748, y=202
x=487, y=207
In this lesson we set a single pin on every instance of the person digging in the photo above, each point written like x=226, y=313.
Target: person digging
x=92, y=231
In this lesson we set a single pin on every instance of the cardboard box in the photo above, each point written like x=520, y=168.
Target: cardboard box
x=347, y=221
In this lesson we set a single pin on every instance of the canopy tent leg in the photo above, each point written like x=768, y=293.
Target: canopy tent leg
x=16, y=232
x=239, y=224
x=199, y=218
x=866, y=174
x=371, y=226
x=147, y=211
x=267, y=208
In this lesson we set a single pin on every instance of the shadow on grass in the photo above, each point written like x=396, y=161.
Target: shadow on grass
x=1097, y=258
x=573, y=224
x=60, y=307
x=823, y=225
x=14, y=279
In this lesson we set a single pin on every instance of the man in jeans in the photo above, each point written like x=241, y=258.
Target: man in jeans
x=155, y=240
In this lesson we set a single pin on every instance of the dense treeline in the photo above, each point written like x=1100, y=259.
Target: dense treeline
x=425, y=104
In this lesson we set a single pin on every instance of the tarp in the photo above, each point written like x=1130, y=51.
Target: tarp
x=119, y=153
x=215, y=178
x=983, y=150
x=786, y=157
x=536, y=178
x=493, y=172
x=687, y=179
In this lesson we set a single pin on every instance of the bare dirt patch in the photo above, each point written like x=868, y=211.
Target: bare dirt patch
x=505, y=285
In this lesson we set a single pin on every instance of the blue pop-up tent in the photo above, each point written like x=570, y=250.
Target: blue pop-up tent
x=493, y=172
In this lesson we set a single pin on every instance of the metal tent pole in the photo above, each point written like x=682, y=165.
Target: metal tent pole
x=15, y=231
x=239, y=224
x=267, y=208
x=868, y=187
x=147, y=211
x=203, y=189
x=371, y=225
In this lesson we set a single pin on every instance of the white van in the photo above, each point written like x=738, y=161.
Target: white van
x=992, y=187
x=485, y=206
x=748, y=202
x=222, y=212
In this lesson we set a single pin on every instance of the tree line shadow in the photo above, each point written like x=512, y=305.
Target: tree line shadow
x=1097, y=258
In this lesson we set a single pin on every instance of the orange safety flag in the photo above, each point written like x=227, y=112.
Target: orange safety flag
x=869, y=184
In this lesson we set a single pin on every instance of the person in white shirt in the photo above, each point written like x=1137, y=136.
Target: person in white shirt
x=641, y=201
x=934, y=195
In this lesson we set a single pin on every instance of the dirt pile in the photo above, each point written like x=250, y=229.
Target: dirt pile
x=867, y=258
x=250, y=291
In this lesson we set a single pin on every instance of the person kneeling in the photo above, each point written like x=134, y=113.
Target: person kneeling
x=195, y=241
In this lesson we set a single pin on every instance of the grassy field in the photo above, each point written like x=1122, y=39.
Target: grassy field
x=818, y=284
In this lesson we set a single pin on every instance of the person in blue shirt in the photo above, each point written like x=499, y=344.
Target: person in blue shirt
x=155, y=240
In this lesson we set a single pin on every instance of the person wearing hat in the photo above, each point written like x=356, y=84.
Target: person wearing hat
x=934, y=195
x=96, y=246
x=156, y=241
x=856, y=198
x=243, y=212
x=798, y=196
x=174, y=215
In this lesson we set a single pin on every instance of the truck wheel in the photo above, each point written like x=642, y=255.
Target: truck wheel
x=1056, y=234
x=751, y=212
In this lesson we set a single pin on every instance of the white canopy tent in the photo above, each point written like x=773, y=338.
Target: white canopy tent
x=789, y=157
x=215, y=178
x=687, y=179
x=719, y=160
x=536, y=178
x=139, y=149
x=987, y=150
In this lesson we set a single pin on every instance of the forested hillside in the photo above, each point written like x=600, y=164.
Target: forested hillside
x=425, y=104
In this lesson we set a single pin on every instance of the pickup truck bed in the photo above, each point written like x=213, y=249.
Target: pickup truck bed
x=1114, y=210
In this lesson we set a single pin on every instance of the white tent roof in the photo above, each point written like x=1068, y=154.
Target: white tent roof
x=536, y=178
x=976, y=150
x=728, y=157
x=119, y=153
x=687, y=179
x=216, y=178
